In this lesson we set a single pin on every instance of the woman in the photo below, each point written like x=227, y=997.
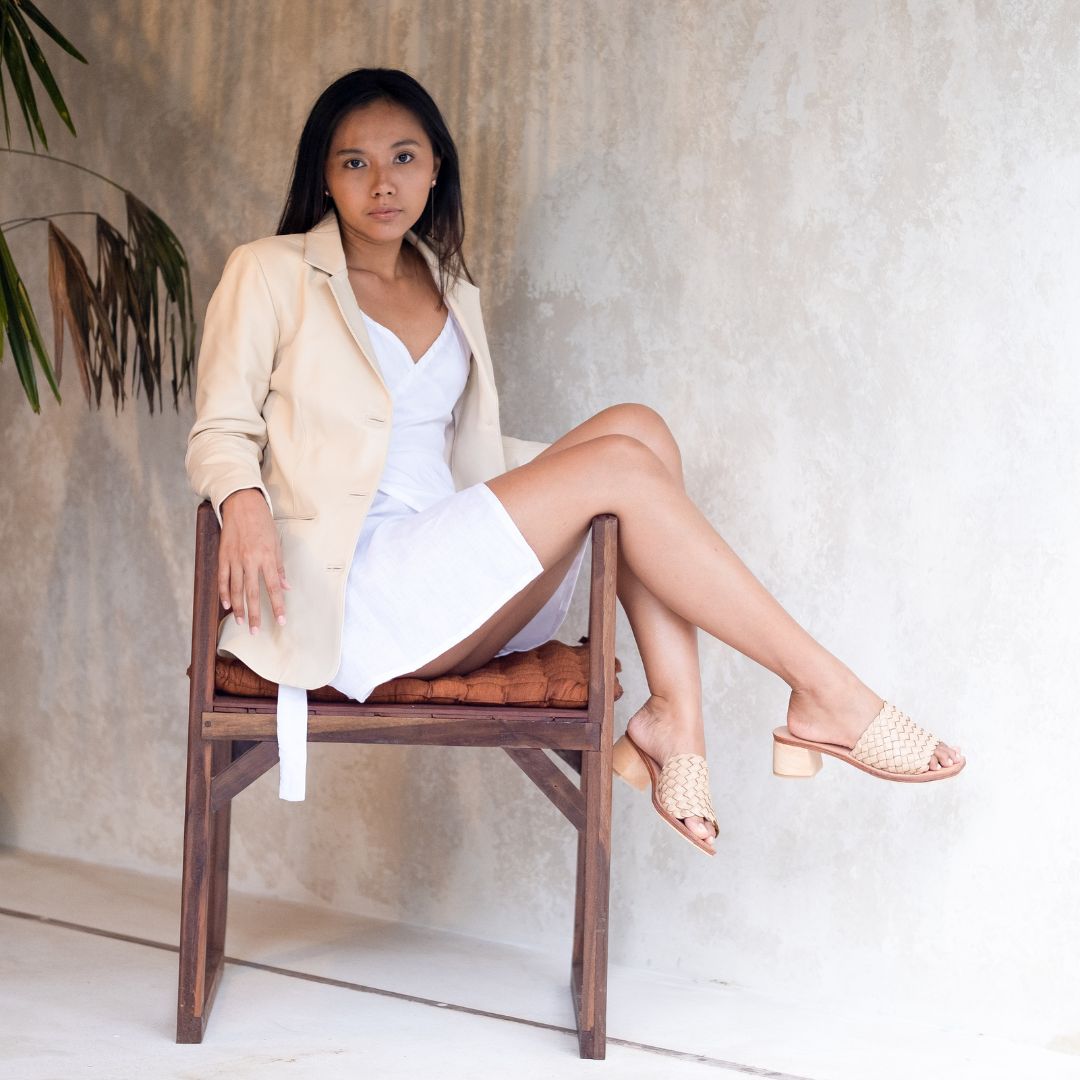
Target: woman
x=347, y=435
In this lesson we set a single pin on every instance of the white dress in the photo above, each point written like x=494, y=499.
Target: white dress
x=431, y=564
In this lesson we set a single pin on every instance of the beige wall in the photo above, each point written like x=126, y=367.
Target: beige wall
x=835, y=244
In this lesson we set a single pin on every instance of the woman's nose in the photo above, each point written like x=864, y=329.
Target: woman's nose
x=381, y=185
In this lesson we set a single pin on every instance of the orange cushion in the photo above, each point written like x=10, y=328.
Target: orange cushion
x=555, y=675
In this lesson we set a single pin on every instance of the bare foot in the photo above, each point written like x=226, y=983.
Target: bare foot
x=840, y=713
x=662, y=732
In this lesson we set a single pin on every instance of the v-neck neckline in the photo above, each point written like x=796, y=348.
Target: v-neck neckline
x=430, y=348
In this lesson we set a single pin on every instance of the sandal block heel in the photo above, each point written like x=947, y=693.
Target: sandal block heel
x=627, y=764
x=790, y=760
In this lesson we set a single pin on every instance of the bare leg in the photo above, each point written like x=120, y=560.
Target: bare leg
x=679, y=558
x=670, y=721
x=827, y=701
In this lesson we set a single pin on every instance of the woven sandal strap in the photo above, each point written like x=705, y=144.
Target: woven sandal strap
x=893, y=742
x=683, y=788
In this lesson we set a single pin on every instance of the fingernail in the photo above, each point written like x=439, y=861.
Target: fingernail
x=281, y=620
x=227, y=605
x=239, y=617
x=254, y=629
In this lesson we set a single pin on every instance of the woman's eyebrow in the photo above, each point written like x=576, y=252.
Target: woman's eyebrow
x=400, y=142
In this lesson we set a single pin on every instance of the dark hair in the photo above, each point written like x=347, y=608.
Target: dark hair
x=443, y=219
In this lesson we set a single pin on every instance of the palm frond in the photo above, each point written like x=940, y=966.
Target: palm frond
x=77, y=306
x=12, y=58
x=155, y=250
x=3, y=95
x=18, y=323
x=34, y=13
x=14, y=29
x=143, y=284
x=126, y=298
x=44, y=73
x=116, y=288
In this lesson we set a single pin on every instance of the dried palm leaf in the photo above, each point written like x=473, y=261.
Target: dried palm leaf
x=77, y=306
x=127, y=298
x=154, y=250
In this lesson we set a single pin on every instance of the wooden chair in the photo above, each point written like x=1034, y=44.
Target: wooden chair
x=232, y=741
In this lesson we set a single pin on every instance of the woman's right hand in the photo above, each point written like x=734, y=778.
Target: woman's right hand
x=250, y=546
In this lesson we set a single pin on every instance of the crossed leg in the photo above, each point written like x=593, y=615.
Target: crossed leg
x=675, y=573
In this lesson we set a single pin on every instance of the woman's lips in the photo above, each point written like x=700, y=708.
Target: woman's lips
x=384, y=215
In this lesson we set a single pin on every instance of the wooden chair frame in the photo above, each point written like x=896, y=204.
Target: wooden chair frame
x=232, y=741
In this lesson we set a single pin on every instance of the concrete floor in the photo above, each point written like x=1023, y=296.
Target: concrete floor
x=88, y=971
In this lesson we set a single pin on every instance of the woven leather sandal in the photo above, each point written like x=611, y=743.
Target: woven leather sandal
x=892, y=746
x=679, y=790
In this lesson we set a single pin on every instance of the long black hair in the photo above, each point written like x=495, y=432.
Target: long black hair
x=442, y=224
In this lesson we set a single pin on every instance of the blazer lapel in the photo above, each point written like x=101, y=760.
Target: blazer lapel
x=323, y=250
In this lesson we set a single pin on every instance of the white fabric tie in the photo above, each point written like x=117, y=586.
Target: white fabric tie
x=292, y=715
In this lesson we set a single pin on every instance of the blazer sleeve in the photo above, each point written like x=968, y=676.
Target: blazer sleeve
x=520, y=451
x=240, y=338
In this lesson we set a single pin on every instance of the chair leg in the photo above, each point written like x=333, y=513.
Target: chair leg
x=204, y=892
x=220, y=822
x=589, y=963
x=205, y=883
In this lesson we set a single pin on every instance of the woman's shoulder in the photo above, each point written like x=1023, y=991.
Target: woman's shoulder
x=284, y=248
x=277, y=261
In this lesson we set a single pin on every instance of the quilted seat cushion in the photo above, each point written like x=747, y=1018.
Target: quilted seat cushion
x=555, y=675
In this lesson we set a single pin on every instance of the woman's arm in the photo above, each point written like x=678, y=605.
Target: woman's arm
x=240, y=337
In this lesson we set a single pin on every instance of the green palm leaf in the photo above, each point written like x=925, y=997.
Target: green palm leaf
x=19, y=325
x=13, y=30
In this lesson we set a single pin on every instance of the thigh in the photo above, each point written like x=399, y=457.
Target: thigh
x=647, y=430
x=484, y=642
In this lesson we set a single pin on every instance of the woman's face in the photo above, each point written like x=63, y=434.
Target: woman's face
x=380, y=158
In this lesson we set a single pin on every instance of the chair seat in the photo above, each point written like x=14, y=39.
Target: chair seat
x=553, y=675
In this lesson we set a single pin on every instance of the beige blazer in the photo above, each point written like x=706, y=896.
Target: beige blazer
x=290, y=400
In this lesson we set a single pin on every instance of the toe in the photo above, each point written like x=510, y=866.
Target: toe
x=699, y=828
x=946, y=756
x=954, y=753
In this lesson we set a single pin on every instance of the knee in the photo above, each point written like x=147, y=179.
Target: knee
x=643, y=423
x=625, y=454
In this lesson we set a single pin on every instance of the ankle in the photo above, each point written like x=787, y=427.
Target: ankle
x=680, y=716
x=827, y=685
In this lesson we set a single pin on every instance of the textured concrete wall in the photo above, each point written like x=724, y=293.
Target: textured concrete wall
x=835, y=244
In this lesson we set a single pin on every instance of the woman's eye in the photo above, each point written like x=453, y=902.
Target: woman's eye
x=404, y=153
